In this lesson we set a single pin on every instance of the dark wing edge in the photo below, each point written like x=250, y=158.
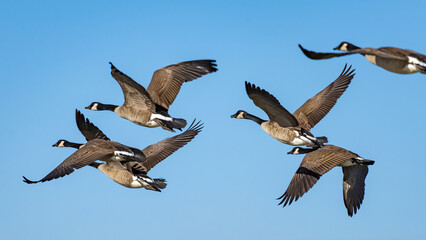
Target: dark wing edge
x=88, y=129
x=354, y=187
x=299, y=185
x=270, y=105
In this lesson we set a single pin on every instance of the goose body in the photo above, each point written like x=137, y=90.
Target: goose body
x=317, y=162
x=149, y=107
x=397, y=60
x=294, y=129
x=134, y=174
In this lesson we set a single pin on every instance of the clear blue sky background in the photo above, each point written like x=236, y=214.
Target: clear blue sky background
x=223, y=185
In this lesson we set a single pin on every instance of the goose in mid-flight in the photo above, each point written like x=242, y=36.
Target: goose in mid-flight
x=96, y=149
x=134, y=174
x=294, y=129
x=319, y=161
x=397, y=60
x=149, y=107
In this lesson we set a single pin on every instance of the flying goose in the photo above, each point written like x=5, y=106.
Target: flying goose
x=149, y=107
x=96, y=149
x=319, y=161
x=393, y=59
x=293, y=129
x=134, y=174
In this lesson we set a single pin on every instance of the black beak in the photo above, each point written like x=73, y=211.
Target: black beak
x=88, y=107
x=55, y=145
x=290, y=152
x=336, y=48
x=234, y=116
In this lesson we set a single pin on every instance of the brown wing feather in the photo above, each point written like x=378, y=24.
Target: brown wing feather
x=135, y=95
x=167, y=81
x=313, y=166
x=271, y=106
x=82, y=157
x=315, y=109
x=157, y=152
x=354, y=187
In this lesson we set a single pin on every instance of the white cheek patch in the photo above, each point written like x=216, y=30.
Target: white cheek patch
x=94, y=107
x=344, y=47
x=161, y=117
x=61, y=144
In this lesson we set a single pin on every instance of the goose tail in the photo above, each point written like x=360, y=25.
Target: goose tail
x=176, y=123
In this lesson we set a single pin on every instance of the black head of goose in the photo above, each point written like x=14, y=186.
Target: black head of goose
x=134, y=174
x=319, y=161
x=294, y=129
x=397, y=60
x=149, y=107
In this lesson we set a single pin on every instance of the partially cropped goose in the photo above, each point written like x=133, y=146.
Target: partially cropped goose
x=149, y=107
x=393, y=59
x=96, y=149
x=293, y=129
x=317, y=162
x=134, y=174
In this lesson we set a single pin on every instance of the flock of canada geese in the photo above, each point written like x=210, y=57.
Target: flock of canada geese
x=149, y=107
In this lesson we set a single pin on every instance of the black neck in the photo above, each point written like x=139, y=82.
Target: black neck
x=254, y=118
x=73, y=145
x=352, y=47
x=306, y=150
x=108, y=107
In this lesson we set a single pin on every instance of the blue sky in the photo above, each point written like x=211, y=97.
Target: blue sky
x=224, y=183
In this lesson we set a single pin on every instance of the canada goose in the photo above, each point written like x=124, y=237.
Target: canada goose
x=393, y=59
x=319, y=161
x=134, y=174
x=293, y=129
x=96, y=149
x=149, y=107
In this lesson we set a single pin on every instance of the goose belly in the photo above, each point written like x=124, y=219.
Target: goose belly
x=392, y=65
x=284, y=135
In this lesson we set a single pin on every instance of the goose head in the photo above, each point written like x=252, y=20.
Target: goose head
x=345, y=46
x=94, y=106
x=65, y=143
x=61, y=143
x=240, y=115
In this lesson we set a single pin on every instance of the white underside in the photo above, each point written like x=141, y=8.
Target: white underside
x=161, y=117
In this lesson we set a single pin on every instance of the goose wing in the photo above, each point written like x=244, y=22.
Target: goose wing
x=135, y=96
x=320, y=55
x=157, y=152
x=167, y=81
x=313, y=166
x=82, y=157
x=353, y=187
x=313, y=110
x=271, y=106
x=88, y=129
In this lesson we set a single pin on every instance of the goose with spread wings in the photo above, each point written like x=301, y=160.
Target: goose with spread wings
x=134, y=174
x=397, y=60
x=149, y=107
x=317, y=162
x=294, y=129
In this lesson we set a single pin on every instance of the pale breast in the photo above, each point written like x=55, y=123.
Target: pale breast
x=284, y=135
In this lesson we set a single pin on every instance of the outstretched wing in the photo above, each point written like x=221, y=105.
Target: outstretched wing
x=313, y=110
x=88, y=129
x=157, y=152
x=353, y=187
x=82, y=157
x=313, y=166
x=271, y=106
x=167, y=81
x=134, y=94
